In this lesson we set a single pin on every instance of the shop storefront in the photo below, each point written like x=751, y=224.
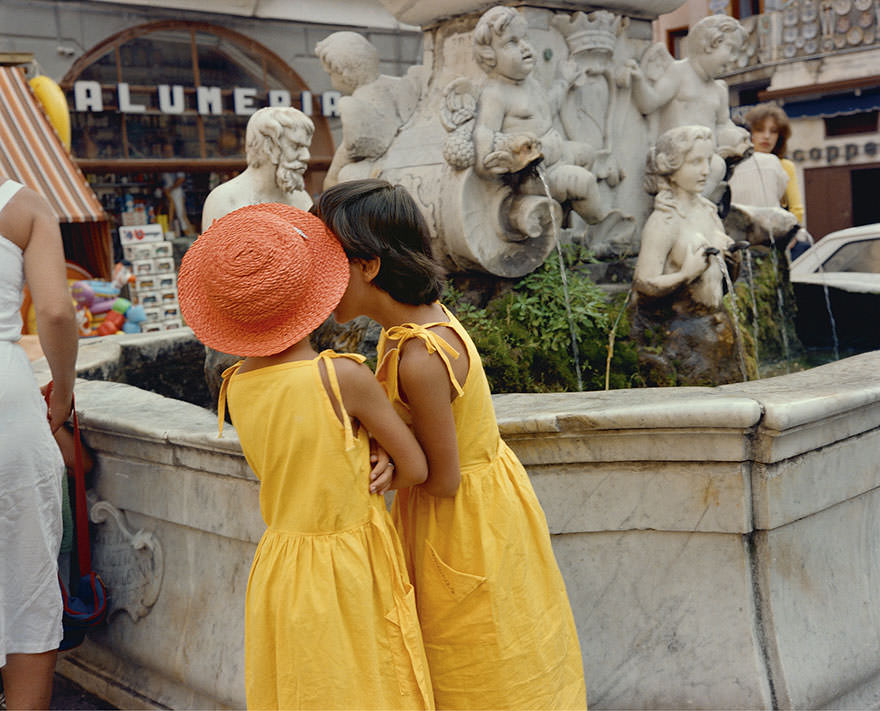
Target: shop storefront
x=835, y=145
x=32, y=153
x=173, y=97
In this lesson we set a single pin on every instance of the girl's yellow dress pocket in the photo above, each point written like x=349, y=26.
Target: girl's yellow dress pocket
x=454, y=605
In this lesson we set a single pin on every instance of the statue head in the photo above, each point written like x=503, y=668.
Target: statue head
x=280, y=136
x=714, y=41
x=350, y=59
x=500, y=45
x=668, y=154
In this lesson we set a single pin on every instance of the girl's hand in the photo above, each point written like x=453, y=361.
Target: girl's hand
x=383, y=481
x=382, y=472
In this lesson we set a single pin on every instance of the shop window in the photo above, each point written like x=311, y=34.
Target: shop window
x=864, y=122
x=139, y=117
x=749, y=97
x=177, y=54
x=866, y=207
x=675, y=42
x=742, y=9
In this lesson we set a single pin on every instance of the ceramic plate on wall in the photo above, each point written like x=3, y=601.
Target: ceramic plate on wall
x=855, y=35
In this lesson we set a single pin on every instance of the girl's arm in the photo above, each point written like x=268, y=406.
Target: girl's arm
x=424, y=381
x=364, y=399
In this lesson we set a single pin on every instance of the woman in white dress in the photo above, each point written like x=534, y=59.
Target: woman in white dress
x=31, y=466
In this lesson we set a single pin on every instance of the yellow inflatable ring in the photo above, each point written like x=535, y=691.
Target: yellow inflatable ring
x=54, y=103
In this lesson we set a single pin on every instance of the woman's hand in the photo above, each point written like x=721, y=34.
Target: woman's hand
x=60, y=404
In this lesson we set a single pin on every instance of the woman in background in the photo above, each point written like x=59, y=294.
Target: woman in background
x=31, y=467
x=770, y=131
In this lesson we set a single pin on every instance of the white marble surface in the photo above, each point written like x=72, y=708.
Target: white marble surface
x=819, y=578
x=428, y=12
x=665, y=620
x=714, y=542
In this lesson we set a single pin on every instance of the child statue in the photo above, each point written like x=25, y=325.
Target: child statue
x=514, y=119
x=679, y=279
x=373, y=106
x=687, y=91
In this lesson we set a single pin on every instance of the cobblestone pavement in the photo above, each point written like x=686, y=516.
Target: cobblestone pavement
x=67, y=695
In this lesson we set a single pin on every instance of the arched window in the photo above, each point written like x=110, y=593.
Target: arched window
x=188, y=85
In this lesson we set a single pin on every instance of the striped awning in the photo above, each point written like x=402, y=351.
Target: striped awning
x=32, y=153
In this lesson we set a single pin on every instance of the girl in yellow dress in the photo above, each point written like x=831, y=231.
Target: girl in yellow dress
x=330, y=618
x=496, y=621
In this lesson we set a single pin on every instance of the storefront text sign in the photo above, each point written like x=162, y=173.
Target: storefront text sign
x=834, y=153
x=206, y=100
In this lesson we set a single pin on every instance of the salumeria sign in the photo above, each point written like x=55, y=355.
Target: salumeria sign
x=87, y=96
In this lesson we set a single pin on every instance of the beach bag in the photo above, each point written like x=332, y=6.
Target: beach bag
x=85, y=606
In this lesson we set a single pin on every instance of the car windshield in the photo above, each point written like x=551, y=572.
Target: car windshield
x=861, y=256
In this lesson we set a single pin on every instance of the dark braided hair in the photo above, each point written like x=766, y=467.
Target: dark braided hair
x=374, y=218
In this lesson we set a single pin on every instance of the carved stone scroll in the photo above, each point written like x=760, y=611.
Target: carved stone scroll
x=131, y=564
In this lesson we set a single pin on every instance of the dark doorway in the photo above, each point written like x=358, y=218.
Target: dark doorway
x=828, y=199
x=865, y=190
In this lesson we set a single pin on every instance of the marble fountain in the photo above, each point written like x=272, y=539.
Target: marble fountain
x=720, y=545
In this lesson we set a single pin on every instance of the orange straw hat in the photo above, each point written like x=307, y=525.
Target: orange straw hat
x=260, y=279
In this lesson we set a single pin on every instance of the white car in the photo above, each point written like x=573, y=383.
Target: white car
x=847, y=262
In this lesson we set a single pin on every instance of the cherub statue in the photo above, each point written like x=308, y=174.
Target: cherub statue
x=277, y=141
x=507, y=127
x=687, y=91
x=514, y=118
x=373, y=106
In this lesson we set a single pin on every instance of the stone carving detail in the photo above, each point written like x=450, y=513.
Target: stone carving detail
x=373, y=106
x=131, y=564
x=470, y=126
x=277, y=141
x=688, y=92
x=686, y=335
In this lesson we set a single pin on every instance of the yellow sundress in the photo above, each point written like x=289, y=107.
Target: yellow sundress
x=330, y=617
x=497, y=625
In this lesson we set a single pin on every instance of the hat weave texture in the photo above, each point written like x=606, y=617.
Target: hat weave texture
x=260, y=279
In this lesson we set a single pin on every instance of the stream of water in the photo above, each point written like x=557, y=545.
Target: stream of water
x=562, y=272
x=750, y=278
x=780, y=305
x=734, y=316
x=834, y=339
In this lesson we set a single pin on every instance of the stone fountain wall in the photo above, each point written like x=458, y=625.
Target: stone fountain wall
x=720, y=545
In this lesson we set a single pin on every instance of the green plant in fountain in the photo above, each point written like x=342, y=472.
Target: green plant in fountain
x=524, y=335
